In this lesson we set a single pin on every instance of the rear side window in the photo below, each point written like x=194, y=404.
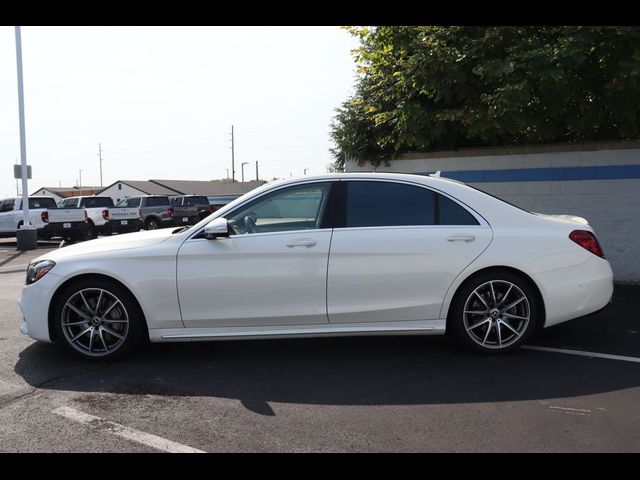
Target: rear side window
x=377, y=204
x=196, y=201
x=453, y=214
x=157, y=202
x=95, y=202
x=6, y=205
x=36, y=203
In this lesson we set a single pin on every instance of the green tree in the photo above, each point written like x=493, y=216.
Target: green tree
x=432, y=88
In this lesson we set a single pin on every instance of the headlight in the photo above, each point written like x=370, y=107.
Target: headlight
x=37, y=270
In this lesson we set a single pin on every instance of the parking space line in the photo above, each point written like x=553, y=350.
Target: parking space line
x=137, y=436
x=582, y=353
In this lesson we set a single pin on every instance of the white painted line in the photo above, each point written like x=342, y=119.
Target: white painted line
x=137, y=436
x=583, y=353
x=571, y=411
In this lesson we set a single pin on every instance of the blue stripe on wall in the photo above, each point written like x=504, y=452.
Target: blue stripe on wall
x=608, y=172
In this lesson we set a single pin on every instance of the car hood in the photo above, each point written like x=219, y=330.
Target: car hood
x=107, y=244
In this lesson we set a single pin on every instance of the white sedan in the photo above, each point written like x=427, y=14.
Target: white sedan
x=338, y=254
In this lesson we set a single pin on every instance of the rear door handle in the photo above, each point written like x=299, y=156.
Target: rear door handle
x=301, y=242
x=461, y=238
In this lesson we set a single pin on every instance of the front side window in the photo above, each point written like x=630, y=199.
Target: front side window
x=299, y=207
x=382, y=204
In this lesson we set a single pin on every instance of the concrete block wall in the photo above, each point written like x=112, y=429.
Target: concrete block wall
x=606, y=193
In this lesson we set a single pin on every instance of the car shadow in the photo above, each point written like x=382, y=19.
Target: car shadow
x=330, y=371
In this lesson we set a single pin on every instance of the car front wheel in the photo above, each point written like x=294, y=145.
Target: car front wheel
x=98, y=319
x=495, y=313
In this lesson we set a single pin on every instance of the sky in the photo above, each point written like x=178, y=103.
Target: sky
x=162, y=100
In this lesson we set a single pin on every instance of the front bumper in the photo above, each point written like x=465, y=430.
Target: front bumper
x=34, y=304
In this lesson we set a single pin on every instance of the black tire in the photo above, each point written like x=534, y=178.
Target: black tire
x=113, y=338
x=478, y=316
x=152, y=223
x=91, y=232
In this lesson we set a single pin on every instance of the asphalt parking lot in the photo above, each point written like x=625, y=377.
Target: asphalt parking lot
x=358, y=394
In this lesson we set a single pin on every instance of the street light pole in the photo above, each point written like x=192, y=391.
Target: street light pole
x=26, y=236
x=243, y=164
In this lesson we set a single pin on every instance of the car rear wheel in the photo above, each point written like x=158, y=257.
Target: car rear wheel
x=495, y=312
x=98, y=320
x=152, y=224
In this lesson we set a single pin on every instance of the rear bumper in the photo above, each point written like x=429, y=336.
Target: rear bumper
x=576, y=291
x=59, y=230
x=131, y=225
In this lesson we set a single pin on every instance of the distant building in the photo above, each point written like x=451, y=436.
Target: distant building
x=121, y=189
x=60, y=193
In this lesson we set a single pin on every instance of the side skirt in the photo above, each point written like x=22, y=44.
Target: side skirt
x=423, y=327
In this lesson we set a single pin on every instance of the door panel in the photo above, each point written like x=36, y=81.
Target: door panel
x=252, y=280
x=384, y=274
x=272, y=270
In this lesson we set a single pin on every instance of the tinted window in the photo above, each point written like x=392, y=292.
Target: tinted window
x=157, y=202
x=42, y=203
x=453, y=214
x=293, y=208
x=196, y=201
x=374, y=204
x=94, y=202
x=6, y=205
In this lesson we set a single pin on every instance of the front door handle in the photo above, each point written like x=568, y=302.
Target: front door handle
x=461, y=238
x=302, y=242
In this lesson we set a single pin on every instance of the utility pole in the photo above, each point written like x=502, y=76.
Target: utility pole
x=100, y=155
x=233, y=165
x=80, y=183
x=243, y=164
x=256, y=170
x=227, y=174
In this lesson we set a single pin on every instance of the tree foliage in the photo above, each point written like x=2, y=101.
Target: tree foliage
x=433, y=88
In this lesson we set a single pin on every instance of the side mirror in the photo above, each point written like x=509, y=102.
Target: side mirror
x=216, y=228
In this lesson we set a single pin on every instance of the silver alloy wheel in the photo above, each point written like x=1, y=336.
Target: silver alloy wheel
x=95, y=322
x=496, y=314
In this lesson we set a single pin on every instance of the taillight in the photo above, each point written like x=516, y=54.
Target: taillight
x=105, y=214
x=588, y=241
x=140, y=212
x=86, y=217
x=170, y=211
x=45, y=217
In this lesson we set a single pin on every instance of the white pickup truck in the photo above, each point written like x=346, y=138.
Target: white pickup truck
x=51, y=221
x=103, y=217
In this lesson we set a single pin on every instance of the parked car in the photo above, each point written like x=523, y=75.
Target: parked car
x=50, y=221
x=337, y=254
x=199, y=201
x=155, y=211
x=103, y=217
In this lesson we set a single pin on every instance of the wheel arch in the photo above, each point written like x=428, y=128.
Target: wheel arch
x=501, y=268
x=80, y=278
